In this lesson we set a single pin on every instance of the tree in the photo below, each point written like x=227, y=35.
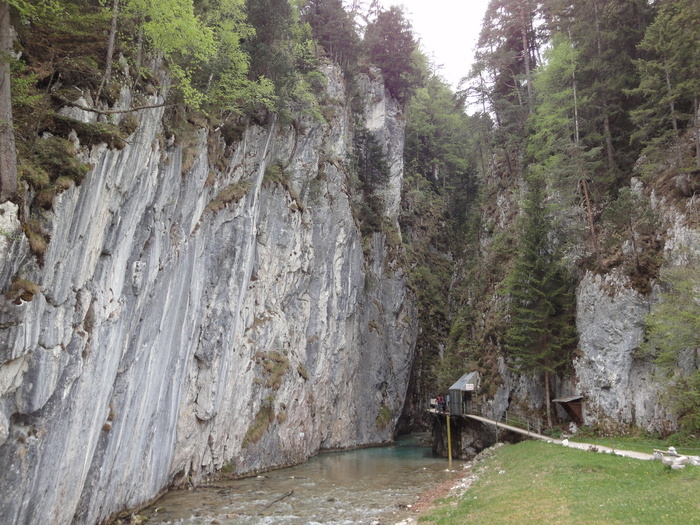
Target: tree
x=554, y=144
x=672, y=331
x=224, y=78
x=669, y=75
x=631, y=220
x=8, y=155
x=506, y=56
x=390, y=45
x=334, y=29
x=172, y=28
x=542, y=328
x=270, y=49
x=605, y=34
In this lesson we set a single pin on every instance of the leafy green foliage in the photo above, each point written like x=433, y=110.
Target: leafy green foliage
x=383, y=417
x=269, y=48
x=173, y=29
x=631, y=221
x=262, y=421
x=672, y=335
x=369, y=163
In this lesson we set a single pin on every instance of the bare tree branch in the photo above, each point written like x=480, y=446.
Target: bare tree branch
x=107, y=111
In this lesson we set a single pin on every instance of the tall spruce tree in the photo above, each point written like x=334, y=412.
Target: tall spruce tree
x=555, y=145
x=334, y=29
x=669, y=73
x=542, y=329
x=8, y=155
x=605, y=34
x=506, y=56
x=390, y=44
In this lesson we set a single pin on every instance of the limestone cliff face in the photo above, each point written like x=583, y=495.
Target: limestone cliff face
x=170, y=338
x=620, y=388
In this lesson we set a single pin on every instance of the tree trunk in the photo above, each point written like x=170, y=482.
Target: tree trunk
x=139, y=50
x=110, y=49
x=576, y=117
x=604, y=102
x=671, y=103
x=591, y=225
x=547, y=398
x=526, y=56
x=8, y=156
x=696, y=109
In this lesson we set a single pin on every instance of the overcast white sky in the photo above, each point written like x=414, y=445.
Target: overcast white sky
x=448, y=29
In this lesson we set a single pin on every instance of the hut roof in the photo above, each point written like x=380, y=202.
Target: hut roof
x=466, y=382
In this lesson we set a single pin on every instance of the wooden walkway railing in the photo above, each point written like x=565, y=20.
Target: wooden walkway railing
x=511, y=419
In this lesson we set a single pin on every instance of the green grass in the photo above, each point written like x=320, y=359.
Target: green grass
x=535, y=482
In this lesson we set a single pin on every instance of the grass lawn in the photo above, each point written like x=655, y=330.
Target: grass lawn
x=537, y=482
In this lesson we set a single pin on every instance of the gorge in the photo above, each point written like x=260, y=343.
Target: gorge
x=188, y=288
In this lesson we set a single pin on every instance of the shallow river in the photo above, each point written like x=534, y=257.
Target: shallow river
x=355, y=487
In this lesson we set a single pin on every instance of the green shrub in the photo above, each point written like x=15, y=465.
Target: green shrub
x=231, y=194
x=263, y=418
x=383, y=417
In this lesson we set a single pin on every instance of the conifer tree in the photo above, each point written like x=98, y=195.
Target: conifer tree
x=390, y=45
x=8, y=155
x=542, y=329
x=555, y=144
x=270, y=48
x=669, y=73
x=605, y=34
x=334, y=29
x=506, y=56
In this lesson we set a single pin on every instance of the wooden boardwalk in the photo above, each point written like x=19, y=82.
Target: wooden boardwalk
x=564, y=442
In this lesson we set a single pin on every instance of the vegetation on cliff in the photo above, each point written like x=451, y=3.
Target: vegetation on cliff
x=503, y=209
x=565, y=98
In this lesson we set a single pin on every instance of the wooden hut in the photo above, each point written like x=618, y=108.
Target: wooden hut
x=462, y=393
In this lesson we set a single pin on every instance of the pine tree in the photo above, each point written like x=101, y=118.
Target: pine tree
x=506, y=57
x=669, y=75
x=555, y=144
x=542, y=329
x=8, y=155
x=390, y=44
x=334, y=29
x=605, y=34
x=270, y=49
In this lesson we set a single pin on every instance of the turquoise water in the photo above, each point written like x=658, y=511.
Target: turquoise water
x=340, y=488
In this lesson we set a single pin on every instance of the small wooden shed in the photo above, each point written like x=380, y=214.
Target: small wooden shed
x=462, y=393
x=573, y=406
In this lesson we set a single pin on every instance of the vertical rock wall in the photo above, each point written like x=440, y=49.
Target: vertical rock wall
x=619, y=387
x=169, y=339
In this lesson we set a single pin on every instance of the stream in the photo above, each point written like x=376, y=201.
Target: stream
x=338, y=488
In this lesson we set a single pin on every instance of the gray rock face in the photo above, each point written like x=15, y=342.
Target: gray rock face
x=169, y=340
x=617, y=387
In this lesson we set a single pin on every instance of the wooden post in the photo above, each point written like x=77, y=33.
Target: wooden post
x=449, y=444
